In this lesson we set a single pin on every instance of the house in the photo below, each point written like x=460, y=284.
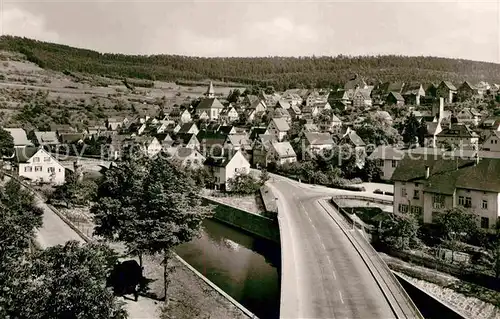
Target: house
x=229, y=114
x=211, y=107
x=19, y=136
x=426, y=187
x=355, y=83
x=458, y=136
x=250, y=99
x=211, y=144
x=292, y=98
x=362, y=99
x=433, y=129
x=340, y=99
x=309, y=112
x=281, y=153
x=483, y=88
x=188, y=128
x=256, y=131
x=96, y=130
x=316, y=97
x=356, y=146
x=487, y=125
x=187, y=157
x=188, y=140
x=114, y=124
x=165, y=126
x=315, y=143
x=258, y=106
x=295, y=113
x=278, y=127
x=308, y=128
x=412, y=93
x=446, y=90
x=62, y=128
x=48, y=138
x=238, y=142
x=467, y=91
x=180, y=116
x=395, y=98
x=71, y=138
x=280, y=114
x=331, y=124
x=38, y=165
x=224, y=168
x=469, y=116
x=387, y=158
x=150, y=146
x=282, y=104
x=492, y=142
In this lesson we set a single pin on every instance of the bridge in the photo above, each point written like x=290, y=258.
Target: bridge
x=328, y=269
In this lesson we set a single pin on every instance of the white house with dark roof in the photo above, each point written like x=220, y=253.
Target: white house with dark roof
x=227, y=167
x=469, y=116
x=278, y=127
x=48, y=138
x=38, y=165
x=459, y=136
x=188, y=128
x=427, y=187
x=446, y=90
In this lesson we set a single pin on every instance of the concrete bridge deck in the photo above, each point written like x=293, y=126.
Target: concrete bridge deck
x=329, y=271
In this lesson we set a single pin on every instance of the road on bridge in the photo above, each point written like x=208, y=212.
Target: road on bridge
x=324, y=276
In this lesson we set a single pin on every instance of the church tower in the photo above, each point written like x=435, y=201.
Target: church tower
x=210, y=94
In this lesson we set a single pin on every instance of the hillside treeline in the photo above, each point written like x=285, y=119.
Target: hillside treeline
x=280, y=72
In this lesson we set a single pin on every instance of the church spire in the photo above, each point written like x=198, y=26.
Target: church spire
x=210, y=91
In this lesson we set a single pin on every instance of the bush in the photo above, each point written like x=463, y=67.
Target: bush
x=244, y=184
x=378, y=191
x=354, y=188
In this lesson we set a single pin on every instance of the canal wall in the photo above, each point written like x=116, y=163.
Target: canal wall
x=258, y=225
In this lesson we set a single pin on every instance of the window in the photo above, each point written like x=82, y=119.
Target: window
x=28, y=169
x=468, y=202
x=394, y=163
x=403, y=208
x=484, y=204
x=403, y=192
x=438, y=201
x=38, y=168
x=461, y=200
x=59, y=170
x=417, y=210
x=46, y=159
x=416, y=194
x=380, y=163
x=51, y=169
x=188, y=162
x=485, y=222
x=36, y=159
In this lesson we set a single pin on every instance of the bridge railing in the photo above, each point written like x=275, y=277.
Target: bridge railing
x=384, y=277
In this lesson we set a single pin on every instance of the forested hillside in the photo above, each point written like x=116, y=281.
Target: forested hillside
x=281, y=72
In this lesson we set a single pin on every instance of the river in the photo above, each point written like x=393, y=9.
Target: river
x=245, y=267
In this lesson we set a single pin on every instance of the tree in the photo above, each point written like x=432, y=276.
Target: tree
x=234, y=96
x=243, y=184
x=69, y=282
x=264, y=176
x=74, y=192
x=371, y=171
x=411, y=129
x=172, y=211
x=399, y=231
x=6, y=144
x=456, y=225
x=119, y=200
x=378, y=134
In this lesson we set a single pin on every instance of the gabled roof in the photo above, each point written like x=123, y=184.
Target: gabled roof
x=24, y=154
x=335, y=118
x=315, y=138
x=449, y=85
x=310, y=127
x=186, y=127
x=355, y=139
x=412, y=88
x=283, y=104
x=281, y=124
x=185, y=138
x=391, y=87
x=365, y=93
x=225, y=129
x=49, y=137
x=238, y=139
x=256, y=131
x=19, y=136
x=397, y=96
x=468, y=85
x=457, y=130
x=210, y=103
x=284, y=149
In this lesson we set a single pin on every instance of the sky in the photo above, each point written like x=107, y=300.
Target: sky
x=458, y=29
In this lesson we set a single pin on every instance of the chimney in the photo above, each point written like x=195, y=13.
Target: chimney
x=427, y=172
